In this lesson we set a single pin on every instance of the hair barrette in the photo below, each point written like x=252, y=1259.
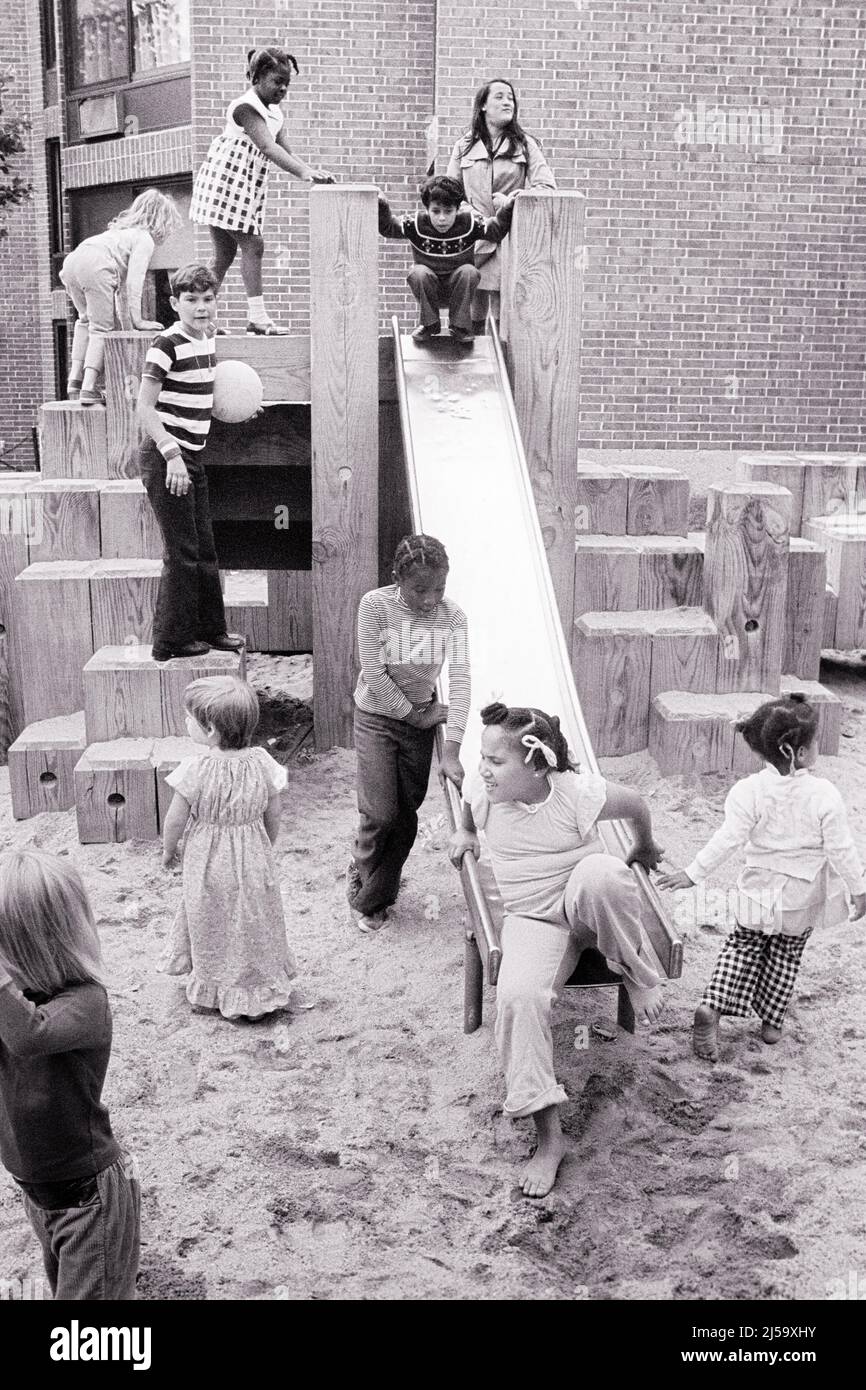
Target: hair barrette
x=534, y=744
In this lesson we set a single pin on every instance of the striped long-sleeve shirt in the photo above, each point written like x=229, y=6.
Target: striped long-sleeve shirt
x=184, y=366
x=402, y=655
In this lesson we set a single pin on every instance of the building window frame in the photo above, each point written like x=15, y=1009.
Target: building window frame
x=123, y=81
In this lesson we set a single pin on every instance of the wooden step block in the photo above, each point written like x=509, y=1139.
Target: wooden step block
x=831, y=603
x=804, y=625
x=246, y=603
x=124, y=363
x=831, y=485
x=290, y=611
x=611, y=660
x=658, y=501
x=123, y=597
x=830, y=710
x=746, y=580
x=785, y=470
x=41, y=763
x=16, y=530
x=55, y=636
x=177, y=674
x=115, y=792
x=166, y=754
x=844, y=539
x=670, y=572
x=64, y=514
x=283, y=363
x=128, y=526
x=601, y=501
x=72, y=440
x=122, y=694
x=685, y=651
x=606, y=572
x=690, y=735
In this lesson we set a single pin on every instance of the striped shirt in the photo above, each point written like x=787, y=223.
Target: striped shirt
x=402, y=655
x=184, y=366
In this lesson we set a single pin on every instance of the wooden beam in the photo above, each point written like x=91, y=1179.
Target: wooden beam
x=15, y=534
x=72, y=440
x=124, y=362
x=746, y=581
x=804, y=620
x=56, y=636
x=289, y=611
x=344, y=392
x=542, y=300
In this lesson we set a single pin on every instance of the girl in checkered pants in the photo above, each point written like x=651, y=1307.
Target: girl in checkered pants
x=230, y=187
x=800, y=858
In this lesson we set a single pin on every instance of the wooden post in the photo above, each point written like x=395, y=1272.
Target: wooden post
x=55, y=636
x=127, y=522
x=746, y=581
x=7, y=731
x=289, y=611
x=15, y=534
x=63, y=516
x=611, y=660
x=123, y=597
x=124, y=363
x=115, y=792
x=542, y=298
x=844, y=539
x=658, y=501
x=122, y=694
x=41, y=763
x=670, y=572
x=344, y=392
x=72, y=440
x=606, y=572
x=804, y=624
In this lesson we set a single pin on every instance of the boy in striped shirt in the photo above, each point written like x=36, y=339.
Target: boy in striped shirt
x=174, y=408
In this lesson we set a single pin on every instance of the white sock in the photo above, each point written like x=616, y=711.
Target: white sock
x=256, y=309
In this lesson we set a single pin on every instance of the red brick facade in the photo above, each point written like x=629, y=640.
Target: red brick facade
x=719, y=146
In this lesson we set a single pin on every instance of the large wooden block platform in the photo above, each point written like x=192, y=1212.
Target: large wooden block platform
x=123, y=597
x=692, y=734
x=115, y=792
x=41, y=763
x=53, y=610
x=129, y=695
x=64, y=519
x=72, y=440
x=611, y=660
x=600, y=501
x=658, y=501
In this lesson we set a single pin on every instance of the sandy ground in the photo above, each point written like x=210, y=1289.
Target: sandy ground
x=358, y=1150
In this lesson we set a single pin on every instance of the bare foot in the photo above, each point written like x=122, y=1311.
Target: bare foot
x=705, y=1038
x=647, y=1003
x=770, y=1034
x=539, y=1175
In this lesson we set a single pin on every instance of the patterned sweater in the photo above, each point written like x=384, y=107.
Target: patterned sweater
x=444, y=252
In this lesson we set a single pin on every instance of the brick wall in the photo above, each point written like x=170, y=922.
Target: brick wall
x=361, y=107
x=26, y=352
x=725, y=286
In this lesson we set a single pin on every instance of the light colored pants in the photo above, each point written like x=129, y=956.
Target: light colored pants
x=91, y=281
x=601, y=908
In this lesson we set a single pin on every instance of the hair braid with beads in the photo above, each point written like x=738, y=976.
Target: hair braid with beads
x=417, y=553
x=522, y=720
x=789, y=720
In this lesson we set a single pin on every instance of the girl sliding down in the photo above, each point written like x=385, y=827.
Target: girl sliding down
x=799, y=859
x=561, y=891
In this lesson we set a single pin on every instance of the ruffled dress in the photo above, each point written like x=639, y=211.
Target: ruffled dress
x=229, y=933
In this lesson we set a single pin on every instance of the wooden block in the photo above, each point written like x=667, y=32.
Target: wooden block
x=344, y=392
x=41, y=763
x=745, y=581
x=830, y=710
x=844, y=539
x=542, y=297
x=658, y=501
x=16, y=531
x=64, y=519
x=611, y=659
x=177, y=674
x=605, y=574
x=600, y=501
x=124, y=363
x=123, y=597
x=830, y=485
x=830, y=605
x=122, y=694
x=72, y=440
x=245, y=595
x=785, y=470
x=685, y=651
x=692, y=734
x=56, y=636
x=804, y=626
x=128, y=526
x=115, y=792
x=166, y=754
x=290, y=611
x=282, y=363
x=670, y=572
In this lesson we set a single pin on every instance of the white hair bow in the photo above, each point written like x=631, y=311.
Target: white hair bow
x=531, y=742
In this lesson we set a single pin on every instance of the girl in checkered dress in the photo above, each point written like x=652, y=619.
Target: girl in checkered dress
x=230, y=187
x=800, y=858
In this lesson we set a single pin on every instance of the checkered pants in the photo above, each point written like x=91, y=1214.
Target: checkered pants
x=756, y=972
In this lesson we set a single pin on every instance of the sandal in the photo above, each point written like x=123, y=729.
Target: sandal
x=266, y=330
x=87, y=397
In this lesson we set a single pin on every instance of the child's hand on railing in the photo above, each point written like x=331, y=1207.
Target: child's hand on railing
x=678, y=879
x=461, y=842
x=646, y=853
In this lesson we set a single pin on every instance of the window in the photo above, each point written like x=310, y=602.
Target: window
x=49, y=34
x=115, y=41
x=55, y=209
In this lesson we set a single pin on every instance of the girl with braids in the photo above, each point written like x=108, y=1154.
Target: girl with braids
x=230, y=187
x=493, y=160
x=800, y=857
x=407, y=632
x=561, y=892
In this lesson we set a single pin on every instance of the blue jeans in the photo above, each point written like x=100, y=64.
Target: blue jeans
x=189, y=605
x=393, y=774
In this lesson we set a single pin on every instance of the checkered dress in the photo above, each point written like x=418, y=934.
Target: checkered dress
x=231, y=185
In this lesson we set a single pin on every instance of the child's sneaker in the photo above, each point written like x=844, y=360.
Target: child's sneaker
x=424, y=331
x=463, y=335
x=90, y=397
x=368, y=922
x=266, y=330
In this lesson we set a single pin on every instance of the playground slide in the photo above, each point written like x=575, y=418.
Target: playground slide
x=469, y=486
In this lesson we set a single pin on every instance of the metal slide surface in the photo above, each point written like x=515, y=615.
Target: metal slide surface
x=469, y=486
